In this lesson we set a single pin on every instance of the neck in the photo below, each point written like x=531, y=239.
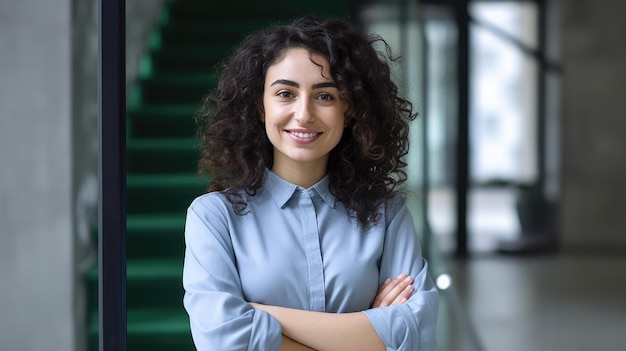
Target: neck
x=301, y=174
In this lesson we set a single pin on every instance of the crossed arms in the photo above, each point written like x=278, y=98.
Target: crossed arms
x=306, y=330
x=221, y=316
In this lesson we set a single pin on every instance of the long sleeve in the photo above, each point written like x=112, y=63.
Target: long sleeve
x=409, y=326
x=220, y=318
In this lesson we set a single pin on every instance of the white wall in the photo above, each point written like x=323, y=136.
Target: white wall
x=36, y=255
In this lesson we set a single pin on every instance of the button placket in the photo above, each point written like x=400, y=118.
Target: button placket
x=317, y=291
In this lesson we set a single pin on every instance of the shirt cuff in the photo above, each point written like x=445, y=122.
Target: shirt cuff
x=396, y=326
x=267, y=333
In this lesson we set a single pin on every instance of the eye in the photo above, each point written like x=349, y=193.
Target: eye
x=325, y=97
x=284, y=94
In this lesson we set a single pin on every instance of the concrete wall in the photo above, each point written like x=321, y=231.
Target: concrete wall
x=36, y=257
x=593, y=124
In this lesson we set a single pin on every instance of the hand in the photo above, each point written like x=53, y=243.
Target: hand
x=394, y=292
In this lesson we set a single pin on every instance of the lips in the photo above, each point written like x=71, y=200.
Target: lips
x=303, y=137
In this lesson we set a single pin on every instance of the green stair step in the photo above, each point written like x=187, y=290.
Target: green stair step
x=162, y=155
x=214, y=49
x=185, y=34
x=253, y=10
x=150, y=284
x=194, y=33
x=162, y=121
x=201, y=59
x=271, y=8
x=150, y=270
x=176, y=89
x=162, y=194
x=183, y=78
x=151, y=330
x=149, y=236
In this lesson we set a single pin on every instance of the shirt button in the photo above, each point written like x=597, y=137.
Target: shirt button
x=311, y=193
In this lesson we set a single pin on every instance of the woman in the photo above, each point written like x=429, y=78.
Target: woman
x=303, y=241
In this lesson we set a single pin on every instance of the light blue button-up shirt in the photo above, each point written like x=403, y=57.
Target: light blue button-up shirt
x=297, y=248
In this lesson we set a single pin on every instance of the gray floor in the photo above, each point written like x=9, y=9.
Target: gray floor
x=552, y=302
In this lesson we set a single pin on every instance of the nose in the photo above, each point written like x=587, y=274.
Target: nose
x=302, y=113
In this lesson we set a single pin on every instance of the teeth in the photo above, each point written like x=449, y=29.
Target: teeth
x=304, y=135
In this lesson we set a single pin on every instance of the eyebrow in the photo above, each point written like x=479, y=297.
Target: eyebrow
x=296, y=85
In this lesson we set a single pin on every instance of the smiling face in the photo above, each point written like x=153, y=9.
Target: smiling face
x=303, y=115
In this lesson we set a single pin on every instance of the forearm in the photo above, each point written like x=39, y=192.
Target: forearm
x=327, y=331
x=292, y=345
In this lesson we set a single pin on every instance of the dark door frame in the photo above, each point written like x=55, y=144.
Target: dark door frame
x=112, y=175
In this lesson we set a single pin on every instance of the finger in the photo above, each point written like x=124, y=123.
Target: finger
x=386, y=287
x=394, y=290
x=404, y=295
x=384, y=284
x=391, y=284
x=398, y=292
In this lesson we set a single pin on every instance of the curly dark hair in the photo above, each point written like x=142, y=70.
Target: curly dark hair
x=366, y=166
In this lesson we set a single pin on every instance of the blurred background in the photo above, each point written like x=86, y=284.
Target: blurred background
x=516, y=167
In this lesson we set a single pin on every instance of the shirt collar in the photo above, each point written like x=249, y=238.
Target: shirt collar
x=281, y=190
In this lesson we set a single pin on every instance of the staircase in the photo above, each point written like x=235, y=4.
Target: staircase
x=193, y=36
